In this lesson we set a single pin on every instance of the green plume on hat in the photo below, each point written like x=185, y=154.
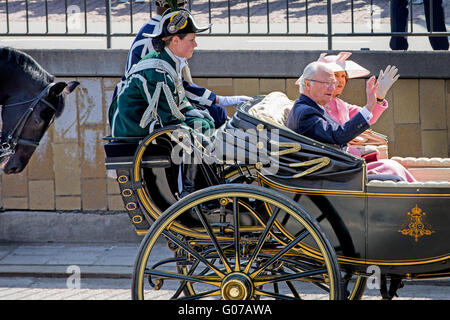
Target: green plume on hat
x=165, y=3
x=173, y=5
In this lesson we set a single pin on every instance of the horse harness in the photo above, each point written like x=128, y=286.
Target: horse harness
x=8, y=145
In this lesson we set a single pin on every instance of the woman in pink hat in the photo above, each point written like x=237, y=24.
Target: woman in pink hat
x=342, y=111
x=344, y=70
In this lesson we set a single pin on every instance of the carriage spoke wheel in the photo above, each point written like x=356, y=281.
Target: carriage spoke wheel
x=226, y=257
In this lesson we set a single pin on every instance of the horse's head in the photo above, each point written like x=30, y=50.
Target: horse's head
x=25, y=123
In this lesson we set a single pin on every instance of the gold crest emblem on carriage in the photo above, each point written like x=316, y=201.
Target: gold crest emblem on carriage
x=417, y=225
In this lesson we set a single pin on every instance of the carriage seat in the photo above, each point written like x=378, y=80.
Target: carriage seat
x=427, y=169
x=405, y=184
x=120, y=155
x=274, y=109
x=429, y=173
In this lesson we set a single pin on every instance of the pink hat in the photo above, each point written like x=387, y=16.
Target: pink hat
x=340, y=63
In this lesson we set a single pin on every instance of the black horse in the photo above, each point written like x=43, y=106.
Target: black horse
x=30, y=100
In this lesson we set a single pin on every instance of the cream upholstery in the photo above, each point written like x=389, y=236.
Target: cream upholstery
x=427, y=169
x=403, y=184
x=429, y=173
x=274, y=108
x=411, y=162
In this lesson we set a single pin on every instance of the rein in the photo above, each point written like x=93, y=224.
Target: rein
x=8, y=145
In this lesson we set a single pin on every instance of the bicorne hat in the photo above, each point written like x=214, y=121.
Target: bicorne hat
x=177, y=22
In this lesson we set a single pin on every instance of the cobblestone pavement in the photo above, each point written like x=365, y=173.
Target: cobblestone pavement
x=33, y=288
x=45, y=272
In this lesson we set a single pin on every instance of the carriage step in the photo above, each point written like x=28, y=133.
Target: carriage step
x=114, y=163
x=121, y=155
x=131, y=202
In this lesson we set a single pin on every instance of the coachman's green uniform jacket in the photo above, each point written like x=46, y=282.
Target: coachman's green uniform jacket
x=153, y=90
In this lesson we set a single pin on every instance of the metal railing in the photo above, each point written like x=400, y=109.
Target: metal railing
x=302, y=18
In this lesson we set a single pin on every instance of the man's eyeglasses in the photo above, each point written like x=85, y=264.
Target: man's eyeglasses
x=329, y=84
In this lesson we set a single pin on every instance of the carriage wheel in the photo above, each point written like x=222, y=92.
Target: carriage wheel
x=358, y=289
x=224, y=258
x=156, y=196
x=159, y=189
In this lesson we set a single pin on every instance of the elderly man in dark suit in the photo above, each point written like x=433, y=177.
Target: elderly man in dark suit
x=308, y=116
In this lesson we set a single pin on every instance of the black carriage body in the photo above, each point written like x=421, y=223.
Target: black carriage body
x=402, y=228
x=403, y=231
x=408, y=228
x=145, y=176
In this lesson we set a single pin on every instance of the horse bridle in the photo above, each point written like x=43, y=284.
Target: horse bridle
x=13, y=139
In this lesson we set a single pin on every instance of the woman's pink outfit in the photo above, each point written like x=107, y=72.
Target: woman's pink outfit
x=342, y=112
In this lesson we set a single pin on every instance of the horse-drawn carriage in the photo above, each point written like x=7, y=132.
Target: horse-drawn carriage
x=276, y=215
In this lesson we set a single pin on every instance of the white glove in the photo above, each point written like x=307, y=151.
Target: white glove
x=386, y=79
x=199, y=114
x=224, y=101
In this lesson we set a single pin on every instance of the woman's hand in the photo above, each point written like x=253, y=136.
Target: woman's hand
x=386, y=79
x=371, y=93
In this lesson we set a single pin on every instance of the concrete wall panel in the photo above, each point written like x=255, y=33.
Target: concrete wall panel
x=67, y=171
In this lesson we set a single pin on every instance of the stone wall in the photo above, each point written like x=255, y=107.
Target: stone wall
x=67, y=171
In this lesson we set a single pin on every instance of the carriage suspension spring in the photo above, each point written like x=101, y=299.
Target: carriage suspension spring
x=158, y=283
